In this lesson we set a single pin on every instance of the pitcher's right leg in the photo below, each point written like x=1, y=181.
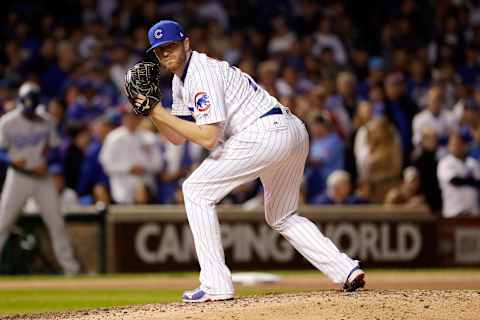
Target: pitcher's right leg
x=282, y=191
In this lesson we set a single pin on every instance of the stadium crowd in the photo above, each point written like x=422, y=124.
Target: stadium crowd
x=388, y=91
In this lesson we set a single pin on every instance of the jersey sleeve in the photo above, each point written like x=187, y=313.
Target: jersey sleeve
x=475, y=168
x=179, y=108
x=207, y=94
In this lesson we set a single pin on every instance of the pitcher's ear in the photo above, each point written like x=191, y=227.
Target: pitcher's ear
x=186, y=44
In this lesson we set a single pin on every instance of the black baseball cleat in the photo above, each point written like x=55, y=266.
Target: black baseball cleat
x=355, y=280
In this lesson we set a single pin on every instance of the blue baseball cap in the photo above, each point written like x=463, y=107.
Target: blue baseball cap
x=164, y=32
x=376, y=63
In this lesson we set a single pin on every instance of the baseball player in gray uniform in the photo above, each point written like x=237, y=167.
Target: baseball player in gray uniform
x=250, y=135
x=26, y=139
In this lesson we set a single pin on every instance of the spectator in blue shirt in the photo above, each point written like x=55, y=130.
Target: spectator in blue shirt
x=474, y=150
x=104, y=86
x=470, y=70
x=376, y=72
x=400, y=110
x=87, y=106
x=54, y=80
x=74, y=154
x=93, y=183
x=326, y=155
x=418, y=81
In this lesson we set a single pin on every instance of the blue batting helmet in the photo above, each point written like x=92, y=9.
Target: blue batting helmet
x=29, y=96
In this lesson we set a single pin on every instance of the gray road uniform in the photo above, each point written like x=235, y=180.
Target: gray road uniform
x=29, y=140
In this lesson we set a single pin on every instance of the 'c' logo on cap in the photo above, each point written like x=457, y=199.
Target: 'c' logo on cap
x=158, y=34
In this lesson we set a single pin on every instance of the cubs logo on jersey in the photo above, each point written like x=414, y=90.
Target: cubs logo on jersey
x=202, y=101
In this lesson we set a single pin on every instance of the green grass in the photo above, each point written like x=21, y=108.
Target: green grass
x=21, y=301
x=43, y=300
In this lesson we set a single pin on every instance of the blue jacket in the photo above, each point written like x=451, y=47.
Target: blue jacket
x=92, y=172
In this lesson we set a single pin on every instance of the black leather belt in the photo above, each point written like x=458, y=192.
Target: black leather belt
x=274, y=110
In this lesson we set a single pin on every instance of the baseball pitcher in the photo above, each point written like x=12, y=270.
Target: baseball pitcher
x=250, y=135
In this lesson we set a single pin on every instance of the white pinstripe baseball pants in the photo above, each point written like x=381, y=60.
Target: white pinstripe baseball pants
x=273, y=148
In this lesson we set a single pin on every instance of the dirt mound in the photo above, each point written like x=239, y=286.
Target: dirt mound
x=366, y=304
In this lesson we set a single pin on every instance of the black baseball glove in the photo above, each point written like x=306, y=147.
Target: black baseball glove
x=142, y=87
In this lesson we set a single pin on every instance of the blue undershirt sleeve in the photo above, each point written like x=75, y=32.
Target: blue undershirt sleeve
x=4, y=157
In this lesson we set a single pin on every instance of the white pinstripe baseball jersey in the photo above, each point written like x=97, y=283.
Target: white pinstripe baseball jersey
x=212, y=91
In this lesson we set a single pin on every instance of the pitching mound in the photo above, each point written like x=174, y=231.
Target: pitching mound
x=366, y=304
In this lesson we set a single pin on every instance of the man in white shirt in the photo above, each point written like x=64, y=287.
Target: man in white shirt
x=442, y=121
x=459, y=178
x=131, y=157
